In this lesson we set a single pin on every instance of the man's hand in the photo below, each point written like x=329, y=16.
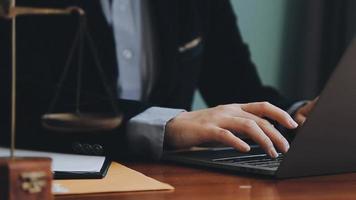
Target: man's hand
x=303, y=112
x=219, y=123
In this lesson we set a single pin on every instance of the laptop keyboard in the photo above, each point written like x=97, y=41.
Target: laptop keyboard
x=262, y=160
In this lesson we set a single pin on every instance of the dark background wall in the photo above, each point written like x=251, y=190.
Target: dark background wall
x=295, y=44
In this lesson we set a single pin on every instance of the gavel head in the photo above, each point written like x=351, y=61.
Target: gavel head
x=4, y=8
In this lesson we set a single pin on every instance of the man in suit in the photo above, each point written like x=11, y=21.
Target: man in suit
x=155, y=54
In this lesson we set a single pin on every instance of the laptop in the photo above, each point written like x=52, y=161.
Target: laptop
x=325, y=144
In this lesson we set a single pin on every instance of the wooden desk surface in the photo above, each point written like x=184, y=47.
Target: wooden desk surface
x=194, y=183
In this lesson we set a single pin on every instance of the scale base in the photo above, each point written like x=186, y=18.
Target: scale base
x=25, y=179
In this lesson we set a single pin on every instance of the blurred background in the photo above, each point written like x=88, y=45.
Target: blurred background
x=295, y=44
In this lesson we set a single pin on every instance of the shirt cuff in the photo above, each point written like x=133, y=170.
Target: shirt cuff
x=145, y=131
x=293, y=109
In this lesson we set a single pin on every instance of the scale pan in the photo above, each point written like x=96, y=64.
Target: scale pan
x=81, y=122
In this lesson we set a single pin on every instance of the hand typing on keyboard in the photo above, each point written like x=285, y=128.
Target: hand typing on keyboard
x=219, y=123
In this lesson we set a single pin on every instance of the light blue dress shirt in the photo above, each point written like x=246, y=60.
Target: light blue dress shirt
x=134, y=42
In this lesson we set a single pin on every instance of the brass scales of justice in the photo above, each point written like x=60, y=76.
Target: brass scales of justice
x=30, y=178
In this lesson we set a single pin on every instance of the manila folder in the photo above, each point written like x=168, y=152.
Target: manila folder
x=118, y=179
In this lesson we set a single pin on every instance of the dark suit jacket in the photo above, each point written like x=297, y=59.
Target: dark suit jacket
x=219, y=66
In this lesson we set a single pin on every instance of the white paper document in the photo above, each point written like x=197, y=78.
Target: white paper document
x=62, y=162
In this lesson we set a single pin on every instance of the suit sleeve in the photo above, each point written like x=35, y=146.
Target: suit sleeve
x=228, y=74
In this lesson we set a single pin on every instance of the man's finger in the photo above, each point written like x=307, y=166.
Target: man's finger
x=307, y=108
x=277, y=138
x=265, y=109
x=300, y=119
x=252, y=130
x=226, y=137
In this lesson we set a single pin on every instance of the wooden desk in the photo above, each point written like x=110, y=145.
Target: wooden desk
x=194, y=183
